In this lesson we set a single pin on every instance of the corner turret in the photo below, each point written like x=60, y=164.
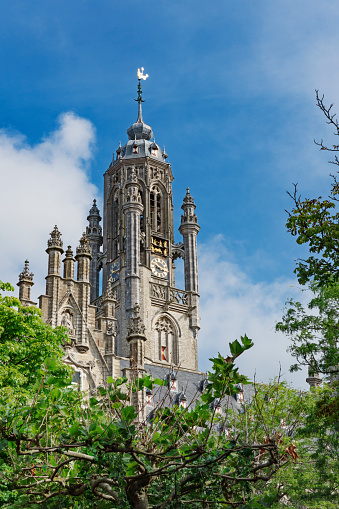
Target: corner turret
x=25, y=284
x=189, y=229
x=94, y=235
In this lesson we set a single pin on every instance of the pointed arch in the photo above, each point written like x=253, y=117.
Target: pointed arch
x=166, y=333
x=157, y=209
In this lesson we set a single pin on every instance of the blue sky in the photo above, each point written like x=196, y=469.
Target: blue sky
x=230, y=95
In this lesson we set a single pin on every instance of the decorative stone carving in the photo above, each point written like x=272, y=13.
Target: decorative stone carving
x=164, y=324
x=55, y=240
x=159, y=291
x=111, y=328
x=25, y=275
x=136, y=325
x=84, y=245
x=178, y=296
x=178, y=251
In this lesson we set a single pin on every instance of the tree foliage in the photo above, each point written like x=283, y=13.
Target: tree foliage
x=26, y=344
x=315, y=221
x=69, y=450
x=314, y=332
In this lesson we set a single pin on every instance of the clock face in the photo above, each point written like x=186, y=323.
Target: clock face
x=159, y=267
x=114, y=271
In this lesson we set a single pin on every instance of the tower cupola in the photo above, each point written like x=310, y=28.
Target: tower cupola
x=140, y=135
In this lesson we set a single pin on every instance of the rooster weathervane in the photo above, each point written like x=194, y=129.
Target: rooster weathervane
x=141, y=76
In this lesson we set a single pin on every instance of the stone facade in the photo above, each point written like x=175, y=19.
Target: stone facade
x=140, y=318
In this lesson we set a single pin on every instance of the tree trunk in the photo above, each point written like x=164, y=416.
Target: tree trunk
x=137, y=493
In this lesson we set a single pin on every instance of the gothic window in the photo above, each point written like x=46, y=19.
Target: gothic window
x=166, y=343
x=115, y=213
x=142, y=223
x=156, y=206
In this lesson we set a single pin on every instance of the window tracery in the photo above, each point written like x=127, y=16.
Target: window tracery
x=166, y=340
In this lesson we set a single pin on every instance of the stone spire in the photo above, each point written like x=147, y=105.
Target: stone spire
x=139, y=130
x=94, y=235
x=25, y=283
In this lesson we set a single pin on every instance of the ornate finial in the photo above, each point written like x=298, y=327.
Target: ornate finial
x=188, y=198
x=164, y=155
x=55, y=240
x=84, y=246
x=69, y=252
x=94, y=211
x=25, y=275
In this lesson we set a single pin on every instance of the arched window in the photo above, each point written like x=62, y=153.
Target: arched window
x=156, y=209
x=166, y=344
x=115, y=213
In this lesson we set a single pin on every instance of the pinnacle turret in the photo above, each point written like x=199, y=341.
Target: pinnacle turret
x=25, y=275
x=25, y=283
x=55, y=240
x=84, y=248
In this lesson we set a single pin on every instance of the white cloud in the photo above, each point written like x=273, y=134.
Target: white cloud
x=231, y=305
x=43, y=185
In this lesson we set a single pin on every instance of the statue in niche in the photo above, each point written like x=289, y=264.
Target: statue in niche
x=67, y=321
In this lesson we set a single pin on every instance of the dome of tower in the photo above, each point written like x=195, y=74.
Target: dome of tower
x=139, y=130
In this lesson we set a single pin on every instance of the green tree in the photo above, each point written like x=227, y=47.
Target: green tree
x=314, y=338
x=27, y=344
x=315, y=221
x=71, y=451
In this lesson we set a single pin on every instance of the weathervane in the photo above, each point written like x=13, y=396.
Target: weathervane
x=141, y=76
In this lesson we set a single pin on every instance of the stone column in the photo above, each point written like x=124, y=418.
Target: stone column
x=136, y=339
x=132, y=209
x=54, y=251
x=83, y=257
x=94, y=235
x=189, y=229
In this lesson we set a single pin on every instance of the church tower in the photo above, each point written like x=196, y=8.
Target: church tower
x=139, y=250
x=117, y=296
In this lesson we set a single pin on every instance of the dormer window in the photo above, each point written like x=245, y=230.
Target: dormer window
x=181, y=400
x=135, y=148
x=203, y=384
x=119, y=151
x=172, y=381
x=154, y=149
x=149, y=397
